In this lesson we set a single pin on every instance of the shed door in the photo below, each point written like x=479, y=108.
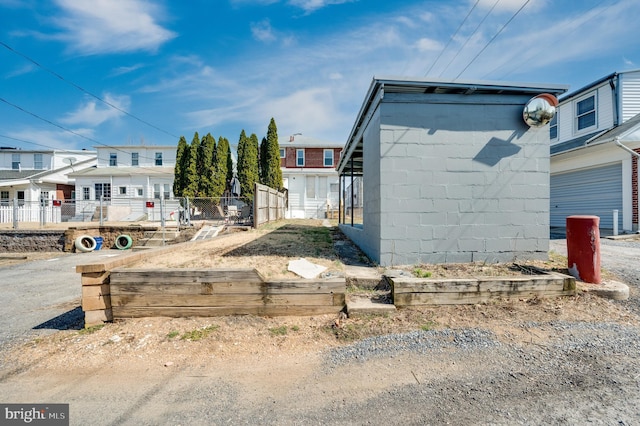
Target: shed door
x=596, y=191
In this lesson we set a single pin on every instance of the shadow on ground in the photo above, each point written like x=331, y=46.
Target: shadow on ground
x=71, y=320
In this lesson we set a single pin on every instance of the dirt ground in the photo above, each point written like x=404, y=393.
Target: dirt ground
x=266, y=356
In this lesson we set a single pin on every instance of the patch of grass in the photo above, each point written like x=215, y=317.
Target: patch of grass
x=421, y=273
x=430, y=325
x=173, y=334
x=199, y=334
x=92, y=329
x=295, y=328
x=278, y=331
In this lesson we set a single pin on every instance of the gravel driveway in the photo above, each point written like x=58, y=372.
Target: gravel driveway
x=560, y=372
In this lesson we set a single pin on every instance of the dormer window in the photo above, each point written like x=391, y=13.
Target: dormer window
x=586, y=112
x=113, y=159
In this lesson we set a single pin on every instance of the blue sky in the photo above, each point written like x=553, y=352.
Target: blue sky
x=221, y=66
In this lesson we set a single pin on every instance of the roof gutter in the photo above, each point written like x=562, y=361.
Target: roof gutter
x=626, y=148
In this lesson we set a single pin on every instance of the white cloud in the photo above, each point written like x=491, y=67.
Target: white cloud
x=125, y=70
x=25, y=69
x=93, y=113
x=263, y=31
x=510, y=5
x=427, y=44
x=105, y=26
x=312, y=5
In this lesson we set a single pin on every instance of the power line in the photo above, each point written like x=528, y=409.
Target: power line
x=115, y=148
x=39, y=144
x=451, y=39
x=492, y=39
x=84, y=90
x=470, y=37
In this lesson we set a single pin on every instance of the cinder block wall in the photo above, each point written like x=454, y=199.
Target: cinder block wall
x=461, y=178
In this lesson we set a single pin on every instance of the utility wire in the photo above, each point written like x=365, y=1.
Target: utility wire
x=451, y=39
x=470, y=37
x=115, y=148
x=70, y=151
x=492, y=39
x=84, y=90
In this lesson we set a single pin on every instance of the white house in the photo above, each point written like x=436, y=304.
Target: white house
x=34, y=178
x=128, y=181
x=595, y=145
x=309, y=174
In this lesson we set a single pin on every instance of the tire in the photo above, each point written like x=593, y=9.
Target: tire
x=123, y=242
x=85, y=244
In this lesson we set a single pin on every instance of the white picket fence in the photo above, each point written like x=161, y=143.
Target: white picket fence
x=31, y=213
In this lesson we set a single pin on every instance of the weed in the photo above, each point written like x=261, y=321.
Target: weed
x=173, y=334
x=278, y=331
x=91, y=329
x=295, y=328
x=199, y=334
x=428, y=326
x=421, y=273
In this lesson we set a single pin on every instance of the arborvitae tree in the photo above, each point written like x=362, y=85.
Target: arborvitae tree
x=220, y=167
x=192, y=178
x=229, y=163
x=273, y=176
x=206, y=169
x=263, y=161
x=179, y=170
x=248, y=164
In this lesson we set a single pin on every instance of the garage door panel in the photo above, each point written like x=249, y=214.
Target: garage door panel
x=596, y=191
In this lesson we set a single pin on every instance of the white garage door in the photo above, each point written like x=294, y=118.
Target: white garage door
x=596, y=191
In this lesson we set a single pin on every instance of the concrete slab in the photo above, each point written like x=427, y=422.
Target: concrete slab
x=305, y=269
x=610, y=289
x=360, y=306
x=363, y=277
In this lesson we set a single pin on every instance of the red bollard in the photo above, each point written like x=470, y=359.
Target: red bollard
x=583, y=248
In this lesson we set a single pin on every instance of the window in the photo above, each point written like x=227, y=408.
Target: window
x=283, y=153
x=20, y=198
x=300, y=157
x=311, y=187
x=113, y=159
x=44, y=198
x=134, y=159
x=15, y=161
x=103, y=189
x=140, y=192
x=122, y=190
x=328, y=157
x=158, y=159
x=322, y=187
x=156, y=190
x=553, y=127
x=4, y=198
x=586, y=113
x=37, y=161
x=86, y=193
x=167, y=191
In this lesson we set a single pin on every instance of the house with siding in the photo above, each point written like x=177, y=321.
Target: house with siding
x=34, y=178
x=124, y=179
x=450, y=172
x=595, y=145
x=309, y=175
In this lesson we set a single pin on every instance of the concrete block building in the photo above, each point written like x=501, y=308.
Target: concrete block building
x=450, y=172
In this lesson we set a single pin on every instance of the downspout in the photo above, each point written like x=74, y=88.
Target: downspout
x=614, y=91
x=629, y=150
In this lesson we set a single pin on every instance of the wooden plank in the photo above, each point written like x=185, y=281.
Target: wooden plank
x=520, y=284
x=411, y=285
x=221, y=300
x=97, y=317
x=417, y=299
x=95, y=290
x=94, y=278
x=212, y=311
x=94, y=303
x=168, y=276
x=120, y=285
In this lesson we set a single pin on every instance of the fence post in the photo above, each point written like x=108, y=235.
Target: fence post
x=615, y=222
x=101, y=218
x=162, y=221
x=15, y=213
